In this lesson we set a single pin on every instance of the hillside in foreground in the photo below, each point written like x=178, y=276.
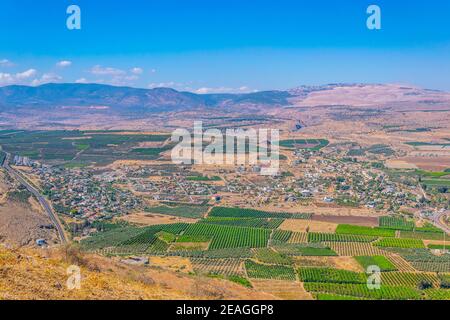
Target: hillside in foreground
x=23, y=273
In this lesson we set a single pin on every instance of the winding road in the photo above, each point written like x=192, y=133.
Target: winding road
x=44, y=203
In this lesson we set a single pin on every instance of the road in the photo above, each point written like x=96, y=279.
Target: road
x=437, y=221
x=44, y=203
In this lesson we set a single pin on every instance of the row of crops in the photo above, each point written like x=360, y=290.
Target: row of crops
x=252, y=213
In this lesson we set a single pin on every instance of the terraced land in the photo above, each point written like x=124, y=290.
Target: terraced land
x=229, y=236
x=246, y=246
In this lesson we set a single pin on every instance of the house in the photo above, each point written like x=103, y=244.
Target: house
x=41, y=242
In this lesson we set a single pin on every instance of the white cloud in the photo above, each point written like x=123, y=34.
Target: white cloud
x=46, y=78
x=6, y=78
x=206, y=90
x=26, y=74
x=81, y=80
x=6, y=63
x=98, y=70
x=137, y=70
x=64, y=64
x=18, y=78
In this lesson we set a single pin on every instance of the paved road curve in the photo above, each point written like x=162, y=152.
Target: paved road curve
x=44, y=203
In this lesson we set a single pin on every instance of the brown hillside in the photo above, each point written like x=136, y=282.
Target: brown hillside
x=32, y=274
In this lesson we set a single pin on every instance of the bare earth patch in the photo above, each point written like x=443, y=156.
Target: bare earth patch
x=296, y=225
x=344, y=263
x=151, y=219
x=285, y=290
x=177, y=264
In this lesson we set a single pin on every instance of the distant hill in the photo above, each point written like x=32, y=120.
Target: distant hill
x=158, y=99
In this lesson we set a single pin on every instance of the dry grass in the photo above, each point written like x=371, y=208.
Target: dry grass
x=36, y=275
x=344, y=263
x=151, y=219
x=296, y=225
x=285, y=290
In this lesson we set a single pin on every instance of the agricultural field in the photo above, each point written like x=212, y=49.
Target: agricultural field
x=331, y=275
x=333, y=237
x=353, y=249
x=304, y=249
x=422, y=235
x=252, y=213
x=399, y=243
x=361, y=291
x=230, y=236
x=181, y=210
x=396, y=223
x=248, y=247
x=381, y=261
x=412, y=280
x=367, y=231
x=262, y=271
x=308, y=144
x=80, y=148
x=280, y=236
x=271, y=223
x=270, y=256
x=227, y=267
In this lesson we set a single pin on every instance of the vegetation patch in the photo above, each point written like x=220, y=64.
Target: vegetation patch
x=380, y=261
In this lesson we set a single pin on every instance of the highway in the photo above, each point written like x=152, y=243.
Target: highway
x=44, y=203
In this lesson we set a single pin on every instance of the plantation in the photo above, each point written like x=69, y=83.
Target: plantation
x=281, y=236
x=399, y=243
x=381, y=261
x=270, y=256
x=252, y=213
x=309, y=144
x=438, y=294
x=131, y=239
x=359, y=230
x=298, y=237
x=97, y=148
x=351, y=249
x=422, y=235
x=261, y=271
x=229, y=236
x=332, y=237
x=245, y=222
x=305, y=250
x=406, y=279
x=361, y=290
x=396, y=223
x=330, y=275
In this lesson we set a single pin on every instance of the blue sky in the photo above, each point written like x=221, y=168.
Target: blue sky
x=225, y=45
